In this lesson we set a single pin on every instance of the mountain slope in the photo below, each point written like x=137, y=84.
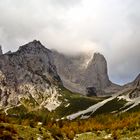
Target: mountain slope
x=125, y=100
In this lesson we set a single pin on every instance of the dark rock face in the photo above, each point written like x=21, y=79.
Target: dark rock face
x=91, y=91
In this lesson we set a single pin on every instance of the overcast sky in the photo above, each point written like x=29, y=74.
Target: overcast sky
x=111, y=27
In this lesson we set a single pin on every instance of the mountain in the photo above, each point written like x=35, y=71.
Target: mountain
x=85, y=73
x=37, y=78
x=29, y=83
x=29, y=77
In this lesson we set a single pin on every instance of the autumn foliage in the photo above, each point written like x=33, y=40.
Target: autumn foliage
x=108, y=122
x=62, y=129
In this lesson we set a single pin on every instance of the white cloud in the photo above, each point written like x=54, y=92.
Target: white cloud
x=110, y=27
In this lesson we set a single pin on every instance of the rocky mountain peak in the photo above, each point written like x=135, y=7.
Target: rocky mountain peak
x=33, y=47
x=28, y=73
x=98, y=57
x=99, y=62
x=96, y=72
x=33, y=44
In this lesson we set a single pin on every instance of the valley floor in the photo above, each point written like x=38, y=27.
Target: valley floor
x=124, y=126
x=14, y=132
x=116, y=135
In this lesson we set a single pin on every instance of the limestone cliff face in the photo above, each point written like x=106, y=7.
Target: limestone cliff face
x=28, y=74
x=84, y=73
x=96, y=72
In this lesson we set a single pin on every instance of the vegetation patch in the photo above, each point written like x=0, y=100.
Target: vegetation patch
x=111, y=106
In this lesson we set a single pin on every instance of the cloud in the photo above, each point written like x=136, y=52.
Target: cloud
x=110, y=27
x=65, y=3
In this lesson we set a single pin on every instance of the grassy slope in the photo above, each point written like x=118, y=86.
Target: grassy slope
x=76, y=102
x=23, y=122
x=135, y=109
x=113, y=105
x=103, y=135
x=120, y=126
x=14, y=131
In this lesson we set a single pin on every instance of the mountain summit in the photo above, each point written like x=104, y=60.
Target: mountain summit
x=86, y=74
